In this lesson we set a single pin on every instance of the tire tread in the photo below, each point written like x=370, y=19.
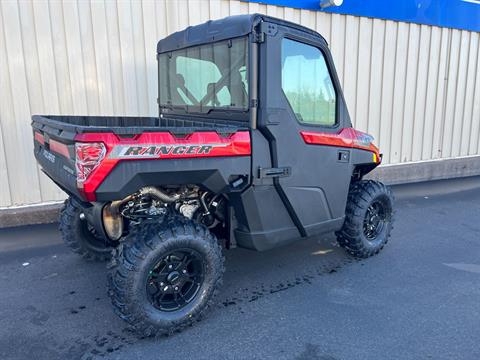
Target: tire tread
x=71, y=235
x=350, y=236
x=127, y=260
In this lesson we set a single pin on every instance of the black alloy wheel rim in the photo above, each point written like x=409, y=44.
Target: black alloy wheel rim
x=175, y=280
x=376, y=219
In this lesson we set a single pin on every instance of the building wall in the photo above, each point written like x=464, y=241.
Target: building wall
x=416, y=88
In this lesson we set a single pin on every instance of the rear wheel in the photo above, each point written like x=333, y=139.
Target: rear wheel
x=80, y=236
x=368, y=219
x=164, y=276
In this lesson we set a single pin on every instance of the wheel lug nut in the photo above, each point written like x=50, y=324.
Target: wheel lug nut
x=176, y=288
x=184, y=271
x=170, y=266
x=161, y=284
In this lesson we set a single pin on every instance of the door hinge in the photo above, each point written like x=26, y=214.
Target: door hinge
x=274, y=172
x=264, y=29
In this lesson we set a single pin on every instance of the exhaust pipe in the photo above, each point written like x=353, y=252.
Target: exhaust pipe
x=112, y=219
x=159, y=195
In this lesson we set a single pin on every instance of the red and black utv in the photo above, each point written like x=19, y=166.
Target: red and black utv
x=253, y=147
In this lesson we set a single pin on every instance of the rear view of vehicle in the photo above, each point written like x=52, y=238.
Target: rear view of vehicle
x=243, y=153
x=155, y=190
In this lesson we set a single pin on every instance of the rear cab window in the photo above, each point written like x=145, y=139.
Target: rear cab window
x=205, y=77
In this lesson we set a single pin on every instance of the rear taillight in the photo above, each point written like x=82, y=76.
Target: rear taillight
x=362, y=139
x=365, y=141
x=87, y=158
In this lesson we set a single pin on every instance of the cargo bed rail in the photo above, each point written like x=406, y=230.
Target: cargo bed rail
x=67, y=127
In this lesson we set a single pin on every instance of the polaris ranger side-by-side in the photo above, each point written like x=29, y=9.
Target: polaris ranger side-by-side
x=253, y=147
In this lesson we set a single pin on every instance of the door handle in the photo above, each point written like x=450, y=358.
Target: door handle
x=274, y=172
x=343, y=156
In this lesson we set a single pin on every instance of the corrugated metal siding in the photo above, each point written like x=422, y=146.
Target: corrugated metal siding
x=416, y=88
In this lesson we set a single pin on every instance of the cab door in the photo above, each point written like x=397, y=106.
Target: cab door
x=301, y=95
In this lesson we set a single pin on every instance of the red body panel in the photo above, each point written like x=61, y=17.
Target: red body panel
x=162, y=145
x=347, y=137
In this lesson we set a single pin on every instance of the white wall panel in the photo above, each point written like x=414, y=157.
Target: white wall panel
x=474, y=147
x=416, y=88
x=374, y=114
x=363, y=79
x=101, y=53
x=350, y=63
x=469, y=99
x=440, y=100
x=452, y=73
x=399, y=101
x=115, y=55
x=422, y=66
x=337, y=43
x=432, y=60
x=386, y=99
x=323, y=24
x=15, y=112
x=460, y=95
x=53, y=18
x=150, y=37
x=410, y=93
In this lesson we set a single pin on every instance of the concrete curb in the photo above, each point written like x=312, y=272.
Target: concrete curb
x=30, y=215
x=390, y=174
x=427, y=170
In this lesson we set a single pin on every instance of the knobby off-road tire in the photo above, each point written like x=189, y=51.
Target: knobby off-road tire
x=369, y=202
x=80, y=236
x=142, y=260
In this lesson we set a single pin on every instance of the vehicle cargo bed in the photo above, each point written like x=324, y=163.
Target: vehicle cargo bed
x=56, y=136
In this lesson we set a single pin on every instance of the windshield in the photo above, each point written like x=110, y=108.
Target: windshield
x=206, y=77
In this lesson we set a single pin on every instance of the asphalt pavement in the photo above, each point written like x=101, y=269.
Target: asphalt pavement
x=418, y=299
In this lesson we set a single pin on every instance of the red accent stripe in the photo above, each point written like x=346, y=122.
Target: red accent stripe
x=39, y=137
x=344, y=138
x=237, y=144
x=59, y=148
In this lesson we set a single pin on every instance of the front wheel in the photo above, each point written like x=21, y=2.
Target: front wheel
x=368, y=219
x=164, y=276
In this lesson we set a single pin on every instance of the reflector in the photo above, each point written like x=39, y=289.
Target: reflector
x=87, y=158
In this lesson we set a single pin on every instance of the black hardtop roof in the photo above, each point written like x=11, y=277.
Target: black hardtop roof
x=222, y=29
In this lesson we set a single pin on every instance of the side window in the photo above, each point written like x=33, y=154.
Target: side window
x=307, y=83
